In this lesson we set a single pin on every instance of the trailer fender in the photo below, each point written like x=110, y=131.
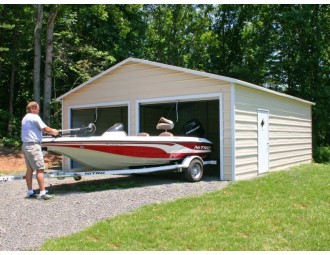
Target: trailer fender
x=186, y=162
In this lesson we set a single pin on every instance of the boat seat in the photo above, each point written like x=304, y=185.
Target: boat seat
x=143, y=134
x=165, y=124
x=166, y=134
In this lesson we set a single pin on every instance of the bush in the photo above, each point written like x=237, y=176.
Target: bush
x=11, y=142
x=4, y=118
x=322, y=155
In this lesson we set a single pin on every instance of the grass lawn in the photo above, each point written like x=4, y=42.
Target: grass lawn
x=282, y=211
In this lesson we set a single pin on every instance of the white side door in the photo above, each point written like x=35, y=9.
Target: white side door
x=263, y=141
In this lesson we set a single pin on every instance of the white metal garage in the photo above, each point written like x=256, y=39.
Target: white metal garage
x=254, y=129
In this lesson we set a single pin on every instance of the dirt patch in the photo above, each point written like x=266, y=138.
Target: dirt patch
x=13, y=160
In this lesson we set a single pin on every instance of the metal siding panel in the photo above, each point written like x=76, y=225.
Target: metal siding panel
x=148, y=85
x=289, y=136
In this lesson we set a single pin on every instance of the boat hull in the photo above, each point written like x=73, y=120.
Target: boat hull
x=128, y=152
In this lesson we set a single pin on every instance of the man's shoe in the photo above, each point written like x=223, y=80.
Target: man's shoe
x=33, y=195
x=45, y=197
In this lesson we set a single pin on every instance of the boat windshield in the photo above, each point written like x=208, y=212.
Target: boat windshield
x=116, y=127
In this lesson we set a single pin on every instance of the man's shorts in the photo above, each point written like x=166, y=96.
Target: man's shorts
x=33, y=156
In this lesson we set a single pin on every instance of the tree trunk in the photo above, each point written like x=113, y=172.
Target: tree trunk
x=2, y=34
x=12, y=81
x=37, y=53
x=48, y=65
x=11, y=99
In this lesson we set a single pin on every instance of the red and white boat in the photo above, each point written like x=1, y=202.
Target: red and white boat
x=115, y=150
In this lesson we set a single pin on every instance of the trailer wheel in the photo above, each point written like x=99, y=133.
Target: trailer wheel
x=194, y=172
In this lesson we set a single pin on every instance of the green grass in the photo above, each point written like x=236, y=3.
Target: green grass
x=287, y=210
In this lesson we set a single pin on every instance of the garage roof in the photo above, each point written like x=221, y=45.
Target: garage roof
x=185, y=70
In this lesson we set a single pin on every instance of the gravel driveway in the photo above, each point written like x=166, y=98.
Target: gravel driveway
x=26, y=223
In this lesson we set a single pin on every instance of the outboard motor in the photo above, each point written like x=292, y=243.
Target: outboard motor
x=193, y=128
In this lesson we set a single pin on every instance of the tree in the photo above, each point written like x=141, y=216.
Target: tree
x=37, y=53
x=283, y=47
x=48, y=64
x=12, y=82
x=303, y=60
x=14, y=35
x=179, y=34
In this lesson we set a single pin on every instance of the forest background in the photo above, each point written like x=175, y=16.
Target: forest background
x=46, y=50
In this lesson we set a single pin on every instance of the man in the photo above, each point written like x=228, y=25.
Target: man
x=32, y=128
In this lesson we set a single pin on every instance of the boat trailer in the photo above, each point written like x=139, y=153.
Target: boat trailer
x=192, y=166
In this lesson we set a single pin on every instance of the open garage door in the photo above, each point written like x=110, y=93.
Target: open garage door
x=181, y=112
x=102, y=117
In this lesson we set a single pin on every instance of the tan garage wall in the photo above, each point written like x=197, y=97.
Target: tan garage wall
x=290, y=131
x=136, y=81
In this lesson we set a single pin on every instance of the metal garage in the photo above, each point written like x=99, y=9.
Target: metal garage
x=254, y=129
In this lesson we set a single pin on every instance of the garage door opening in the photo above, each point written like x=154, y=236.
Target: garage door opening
x=206, y=112
x=102, y=117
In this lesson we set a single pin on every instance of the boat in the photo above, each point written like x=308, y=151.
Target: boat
x=115, y=150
